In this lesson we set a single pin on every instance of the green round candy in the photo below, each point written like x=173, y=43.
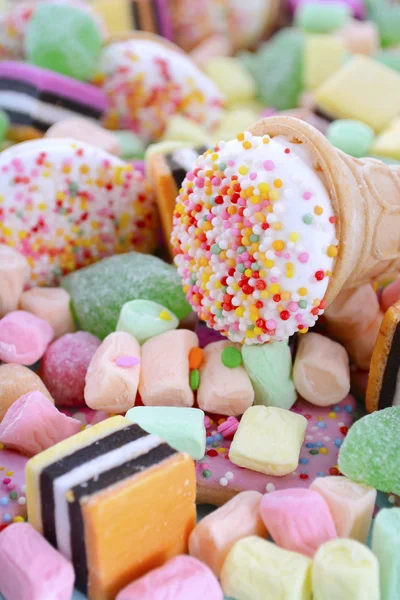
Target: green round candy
x=314, y=17
x=231, y=357
x=194, y=379
x=353, y=137
x=4, y=124
x=64, y=39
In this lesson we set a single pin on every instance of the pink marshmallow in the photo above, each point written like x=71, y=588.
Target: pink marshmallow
x=23, y=337
x=30, y=568
x=298, y=520
x=390, y=294
x=33, y=424
x=85, y=130
x=52, y=305
x=214, y=536
x=181, y=578
x=13, y=272
x=360, y=37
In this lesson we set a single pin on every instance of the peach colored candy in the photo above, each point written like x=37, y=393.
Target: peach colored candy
x=215, y=45
x=360, y=37
x=351, y=505
x=33, y=424
x=52, y=305
x=390, y=295
x=23, y=337
x=112, y=378
x=223, y=390
x=214, y=536
x=298, y=520
x=15, y=381
x=164, y=374
x=87, y=131
x=321, y=371
x=13, y=272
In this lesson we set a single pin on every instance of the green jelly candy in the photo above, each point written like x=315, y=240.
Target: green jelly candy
x=269, y=367
x=385, y=546
x=277, y=69
x=145, y=319
x=98, y=292
x=390, y=58
x=4, y=125
x=370, y=453
x=353, y=137
x=131, y=146
x=314, y=17
x=387, y=19
x=194, y=379
x=231, y=357
x=64, y=39
x=181, y=427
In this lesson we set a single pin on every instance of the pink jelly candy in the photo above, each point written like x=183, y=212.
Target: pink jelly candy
x=23, y=337
x=33, y=424
x=65, y=364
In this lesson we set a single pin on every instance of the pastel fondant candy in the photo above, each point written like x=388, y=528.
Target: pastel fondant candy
x=345, y=569
x=181, y=427
x=64, y=366
x=323, y=56
x=317, y=17
x=112, y=377
x=234, y=120
x=145, y=319
x=351, y=504
x=232, y=79
x=182, y=129
x=24, y=337
x=33, y=424
x=13, y=273
x=269, y=367
x=180, y=578
x=216, y=534
x=353, y=137
x=85, y=130
x=390, y=58
x=223, y=390
x=360, y=37
x=106, y=286
x=388, y=142
x=13, y=492
x=164, y=373
x=385, y=544
x=255, y=565
x=15, y=381
x=95, y=479
x=268, y=440
x=51, y=305
x=387, y=18
x=30, y=567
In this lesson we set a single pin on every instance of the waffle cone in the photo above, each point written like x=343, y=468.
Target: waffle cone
x=365, y=195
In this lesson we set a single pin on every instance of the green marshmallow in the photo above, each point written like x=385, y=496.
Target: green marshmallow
x=390, y=58
x=269, y=367
x=353, y=137
x=370, y=452
x=98, y=292
x=314, y=17
x=131, y=146
x=385, y=546
x=181, y=427
x=145, y=319
x=4, y=125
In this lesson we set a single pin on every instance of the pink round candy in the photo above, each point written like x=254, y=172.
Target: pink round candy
x=24, y=337
x=65, y=364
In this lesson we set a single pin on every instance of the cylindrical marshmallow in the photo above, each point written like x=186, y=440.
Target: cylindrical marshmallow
x=24, y=337
x=52, y=305
x=13, y=272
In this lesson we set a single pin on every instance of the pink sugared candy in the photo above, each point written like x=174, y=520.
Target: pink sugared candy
x=30, y=568
x=23, y=337
x=181, y=578
x=65, y=364
x=298, y=520
x=33, y=424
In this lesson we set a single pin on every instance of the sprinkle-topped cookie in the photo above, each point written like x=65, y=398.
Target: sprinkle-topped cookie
x=254, y=238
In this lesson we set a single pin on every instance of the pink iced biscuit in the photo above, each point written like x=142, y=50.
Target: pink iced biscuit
x=12, y=487
x=13, y=272
x=84, y=130
x=30, y=568
x=351, y=505
x=112, y=378
x=33, y=424
x=223, y=390
x=181, y=578
x=360, y=37
x=298, y=520
x=23, y=337
x=164, y=374
x=64, y=366
x=390, y=294
x=52, y=305
x=214, y=536
x=357, y=6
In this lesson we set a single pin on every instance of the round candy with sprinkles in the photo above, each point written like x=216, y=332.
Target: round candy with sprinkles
x=254, y=239
x=12, y=487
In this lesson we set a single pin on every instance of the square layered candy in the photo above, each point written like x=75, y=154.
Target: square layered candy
x=114, y=500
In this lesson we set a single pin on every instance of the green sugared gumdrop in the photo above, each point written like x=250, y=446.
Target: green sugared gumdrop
x=370, y=453
x=99, y=291
x=353, y=137
x=64, y=39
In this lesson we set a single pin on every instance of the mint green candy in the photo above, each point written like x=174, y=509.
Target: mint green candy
x=314, y=17
x=131, y=146
x=370, y=453
x=390, y=58
x=4, y=125
x=64, y=39
x=353, y=137
x=98, y=292
x=387, y=19
x=269, y=367
x=385, y=546
x=145, y=319
x=181, y=427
